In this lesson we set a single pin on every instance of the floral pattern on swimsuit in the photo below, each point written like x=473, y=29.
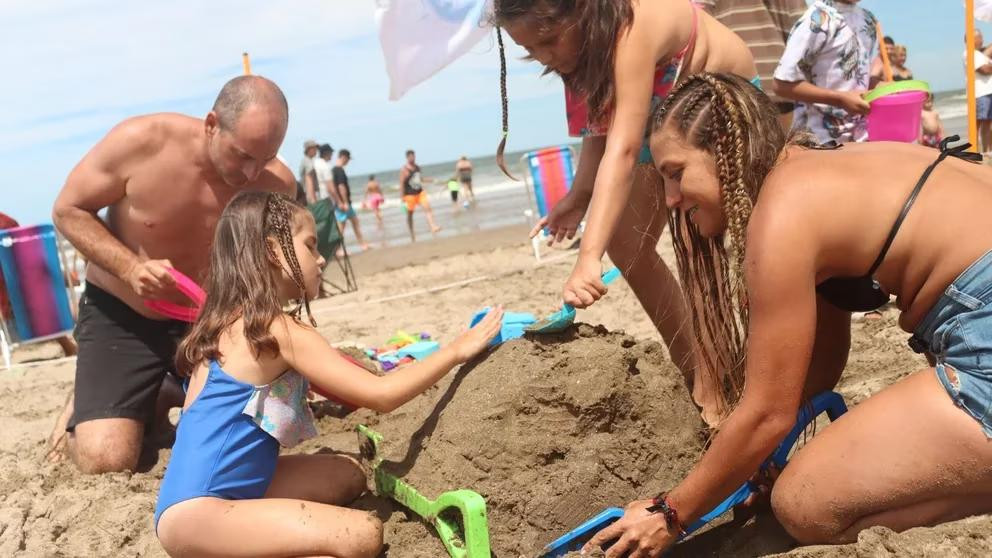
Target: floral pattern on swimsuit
x=281, y=409
x=577, y=110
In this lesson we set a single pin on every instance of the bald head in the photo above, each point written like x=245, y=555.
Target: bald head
x=244, y=92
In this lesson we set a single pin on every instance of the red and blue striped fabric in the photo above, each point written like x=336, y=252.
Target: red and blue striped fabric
x=29, y=260
x=551, y=170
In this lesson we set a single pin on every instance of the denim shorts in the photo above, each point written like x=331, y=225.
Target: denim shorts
x=983, y=108
x=958, y=332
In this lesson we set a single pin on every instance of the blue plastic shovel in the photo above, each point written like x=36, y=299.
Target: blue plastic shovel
x=560, y=320
x=827, y=402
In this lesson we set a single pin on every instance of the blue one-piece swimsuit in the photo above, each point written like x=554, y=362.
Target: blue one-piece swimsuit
x=224, y=452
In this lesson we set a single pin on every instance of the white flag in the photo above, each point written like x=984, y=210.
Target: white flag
x=419, y=37
x=983, y=10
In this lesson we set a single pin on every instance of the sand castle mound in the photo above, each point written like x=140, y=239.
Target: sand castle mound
x=550, y=431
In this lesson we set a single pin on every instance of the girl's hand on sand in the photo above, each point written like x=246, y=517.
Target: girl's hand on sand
x=638, y=534
x=585, y=285
x=475, y=340
x=564, y=219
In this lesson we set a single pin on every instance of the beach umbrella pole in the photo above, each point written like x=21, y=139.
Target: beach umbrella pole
x=884, y=54
x=246, y=62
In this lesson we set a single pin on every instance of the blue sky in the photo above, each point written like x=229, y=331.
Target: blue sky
x=75, y=68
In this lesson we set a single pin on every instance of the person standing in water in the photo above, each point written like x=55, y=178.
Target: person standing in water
x=373, y=201
x=463, y=171
x=412, y=188
x=345, y=213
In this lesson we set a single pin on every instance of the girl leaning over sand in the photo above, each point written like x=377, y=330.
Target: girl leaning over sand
x=619, y=59
x=786, y=240
x=226, y=490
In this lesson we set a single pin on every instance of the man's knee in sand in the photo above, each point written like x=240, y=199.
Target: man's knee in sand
x=106, y=445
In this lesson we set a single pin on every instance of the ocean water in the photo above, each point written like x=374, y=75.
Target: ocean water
x=501, y=201
x=951, y=105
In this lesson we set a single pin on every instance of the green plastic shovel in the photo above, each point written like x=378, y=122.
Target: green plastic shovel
x=459, y=516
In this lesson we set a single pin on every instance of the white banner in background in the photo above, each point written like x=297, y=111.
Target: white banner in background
x=983, y=10
x=420, y=37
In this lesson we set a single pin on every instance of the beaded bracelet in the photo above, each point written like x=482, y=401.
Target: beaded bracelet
x=661, y=505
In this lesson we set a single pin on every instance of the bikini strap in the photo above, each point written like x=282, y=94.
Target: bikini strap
x=685, y=54
x=959, y=152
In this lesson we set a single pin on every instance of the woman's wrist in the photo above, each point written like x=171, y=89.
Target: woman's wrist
x=662, y=504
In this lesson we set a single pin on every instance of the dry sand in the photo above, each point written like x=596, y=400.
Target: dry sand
x=549, y=430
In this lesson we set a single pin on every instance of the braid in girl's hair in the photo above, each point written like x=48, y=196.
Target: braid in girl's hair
x=278, y=219
x=500, y=159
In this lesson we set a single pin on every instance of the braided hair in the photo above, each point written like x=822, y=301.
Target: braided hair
x=240, y=281
x=727, y=116
x=278, y=221
x=500, y=158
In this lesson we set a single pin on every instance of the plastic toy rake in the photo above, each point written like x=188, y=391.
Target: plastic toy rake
x=458, y=516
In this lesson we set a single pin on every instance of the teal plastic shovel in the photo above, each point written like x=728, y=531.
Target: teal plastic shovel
x=560, y=320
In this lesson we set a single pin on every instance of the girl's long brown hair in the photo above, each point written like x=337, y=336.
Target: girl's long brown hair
x=728, y=117
x=600, y=23
x=242, y=279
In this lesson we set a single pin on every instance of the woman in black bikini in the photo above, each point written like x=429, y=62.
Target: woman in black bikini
x=785, y=241
x=899, y=70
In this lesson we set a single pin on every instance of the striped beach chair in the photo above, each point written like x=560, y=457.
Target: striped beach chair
x=549, y=174
x=40, y=297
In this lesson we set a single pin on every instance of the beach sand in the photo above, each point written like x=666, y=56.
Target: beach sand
x=548, y=430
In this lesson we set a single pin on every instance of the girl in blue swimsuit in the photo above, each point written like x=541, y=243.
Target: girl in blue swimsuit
x=249, y=365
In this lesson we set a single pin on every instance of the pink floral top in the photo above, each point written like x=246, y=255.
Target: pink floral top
x=577, y=110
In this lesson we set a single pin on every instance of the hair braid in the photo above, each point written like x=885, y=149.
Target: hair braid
x=278, y=220
x=504, y=99
x=711, y=111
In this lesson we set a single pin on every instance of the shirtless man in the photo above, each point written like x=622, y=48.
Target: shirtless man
x=412, y=189
x=164, y=180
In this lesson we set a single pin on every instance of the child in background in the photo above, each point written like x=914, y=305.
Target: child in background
x=454, y=188
x=826, y=68
x=226, y=491
x=932, y=129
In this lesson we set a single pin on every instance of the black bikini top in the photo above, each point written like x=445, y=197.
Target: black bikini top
x=863, y=294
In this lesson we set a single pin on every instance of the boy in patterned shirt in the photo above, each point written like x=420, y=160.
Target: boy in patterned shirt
x=826, y=68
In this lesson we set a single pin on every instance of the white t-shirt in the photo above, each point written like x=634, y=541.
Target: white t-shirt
x=831, y=47
x=983, y=83
x=325, y=178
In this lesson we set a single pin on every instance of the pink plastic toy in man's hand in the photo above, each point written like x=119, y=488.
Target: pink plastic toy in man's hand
x=172, y=310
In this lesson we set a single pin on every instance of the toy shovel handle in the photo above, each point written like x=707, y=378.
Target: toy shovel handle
x=172, y=310
x=611, y=275
x=607, y=278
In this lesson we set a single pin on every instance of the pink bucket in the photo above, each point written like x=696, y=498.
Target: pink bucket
x=896, y=117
